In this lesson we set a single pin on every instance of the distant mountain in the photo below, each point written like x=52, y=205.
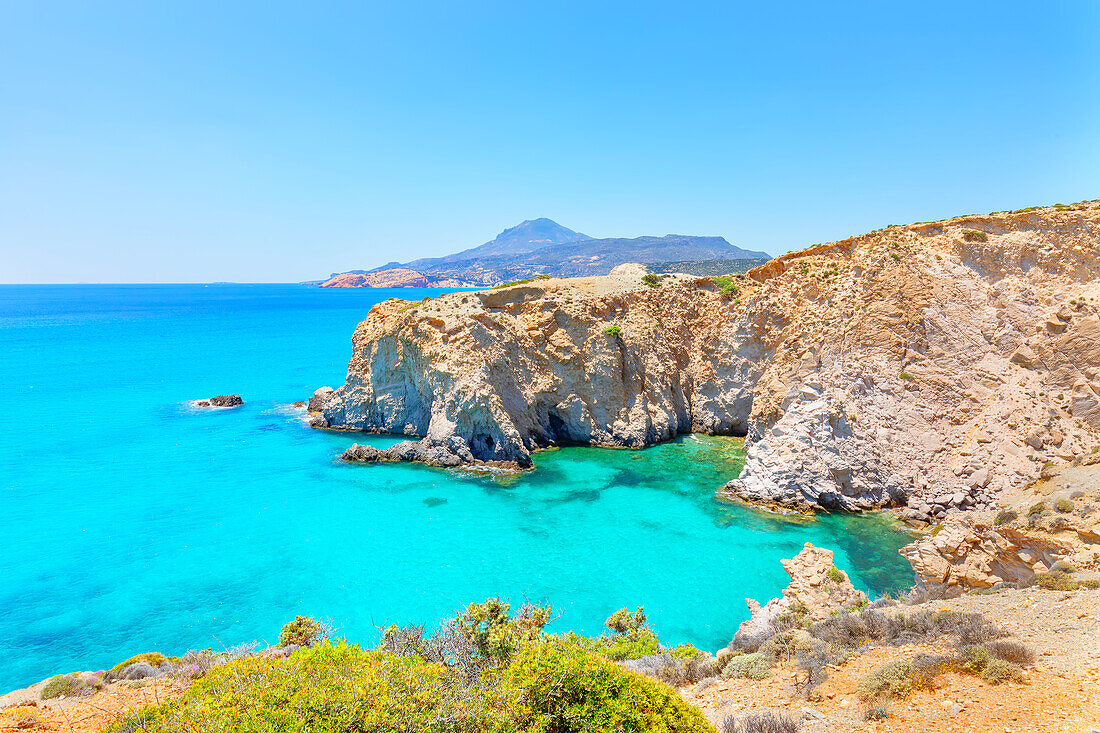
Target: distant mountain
x=544, y=247
x=524, y=237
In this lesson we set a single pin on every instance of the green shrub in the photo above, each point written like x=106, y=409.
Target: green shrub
x=889, y=680
x=905, y=377
x=1091, y=583
x=566, y=689
x=686, y=651
x=495, y=632
x=1055, y=580
x=973, y=235
x=626, y=646
x=1037, y=508
x=651, y=280
x=722, y=281
x=834, y=574
x=1063, y=566
x=1005, y=516
x=69, y=685
x=896, y=256
x=303, y=631
x=999, y=670
x=327, y=688
x=612, y=331
x=755, y=666
x=975, y=658
x=154, y=659
x=1065, y=506
x=624, y=621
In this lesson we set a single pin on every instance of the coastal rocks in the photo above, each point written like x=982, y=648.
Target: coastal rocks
x=222, y=400
x=1057, y=518
x=318, y=398
x=970, y=552
x=817, y=590
x=446, y=456
x=863, y=373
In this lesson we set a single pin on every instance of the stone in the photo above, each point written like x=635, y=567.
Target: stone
x=318, y=398
x=226, y=400
x=811, y=588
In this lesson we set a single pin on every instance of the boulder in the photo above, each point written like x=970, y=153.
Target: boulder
x=226, y=400
x=318, y=398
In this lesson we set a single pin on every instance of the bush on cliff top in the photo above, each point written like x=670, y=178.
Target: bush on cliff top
x=487, y=669
x=550, y=685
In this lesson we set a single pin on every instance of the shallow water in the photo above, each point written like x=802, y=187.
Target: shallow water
x=130, y=522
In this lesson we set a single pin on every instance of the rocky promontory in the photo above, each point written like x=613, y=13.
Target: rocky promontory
x=934, y=365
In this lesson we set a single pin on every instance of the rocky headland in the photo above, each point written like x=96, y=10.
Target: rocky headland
x=933, y=366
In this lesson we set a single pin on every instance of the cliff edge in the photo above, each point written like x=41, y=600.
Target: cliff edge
x=936, y=364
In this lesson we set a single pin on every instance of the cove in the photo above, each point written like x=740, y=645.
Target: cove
x=130, y=522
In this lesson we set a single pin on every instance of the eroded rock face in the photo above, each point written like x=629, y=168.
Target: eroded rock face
x=915, y=364
x=817, y=590
x=1056, y=518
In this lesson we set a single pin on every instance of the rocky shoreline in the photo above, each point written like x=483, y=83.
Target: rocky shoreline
x=930, y=367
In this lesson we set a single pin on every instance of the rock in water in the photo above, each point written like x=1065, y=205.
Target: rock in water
x=864, y=373
x=319, y=397
x=226, y=400
x=818, y=589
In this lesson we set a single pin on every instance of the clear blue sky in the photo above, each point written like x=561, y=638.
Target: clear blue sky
x=268, y=141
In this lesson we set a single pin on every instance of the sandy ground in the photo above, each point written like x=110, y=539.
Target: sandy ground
x=81, y=714
x=1061, y=694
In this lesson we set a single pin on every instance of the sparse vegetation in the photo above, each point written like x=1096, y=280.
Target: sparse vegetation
x=652, y=280
x=612, y=331
x=70, y=685
x=485, y=670
x=765, y=722
x=973, y=235
x=1005, y=516
x=1065, y=506
x=522, y=282
x=835, y=575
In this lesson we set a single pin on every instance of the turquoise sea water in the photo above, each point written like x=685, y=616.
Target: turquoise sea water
x=130, y=522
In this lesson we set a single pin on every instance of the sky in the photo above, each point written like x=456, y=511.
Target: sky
x=278, y=142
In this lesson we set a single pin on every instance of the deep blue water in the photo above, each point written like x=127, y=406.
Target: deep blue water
x=130, y=522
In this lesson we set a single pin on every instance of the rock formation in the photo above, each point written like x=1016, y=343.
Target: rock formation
x=937, y=364
x=222, y=400
x=817, y=590
x=1057, y=518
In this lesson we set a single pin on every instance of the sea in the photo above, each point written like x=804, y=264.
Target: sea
x=131, y=521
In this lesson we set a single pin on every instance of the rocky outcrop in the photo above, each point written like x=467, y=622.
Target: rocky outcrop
x=818, y=589
x=318, y=398
x=1054, y=519
x=222, y=400
x=395, y=277
x=935, y=363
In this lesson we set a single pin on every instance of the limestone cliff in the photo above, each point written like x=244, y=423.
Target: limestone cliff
x=938, y=363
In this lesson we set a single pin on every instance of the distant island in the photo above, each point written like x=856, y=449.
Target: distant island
x=544, y=247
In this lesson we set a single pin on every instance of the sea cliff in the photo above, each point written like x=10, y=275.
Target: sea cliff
x=933, y=365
